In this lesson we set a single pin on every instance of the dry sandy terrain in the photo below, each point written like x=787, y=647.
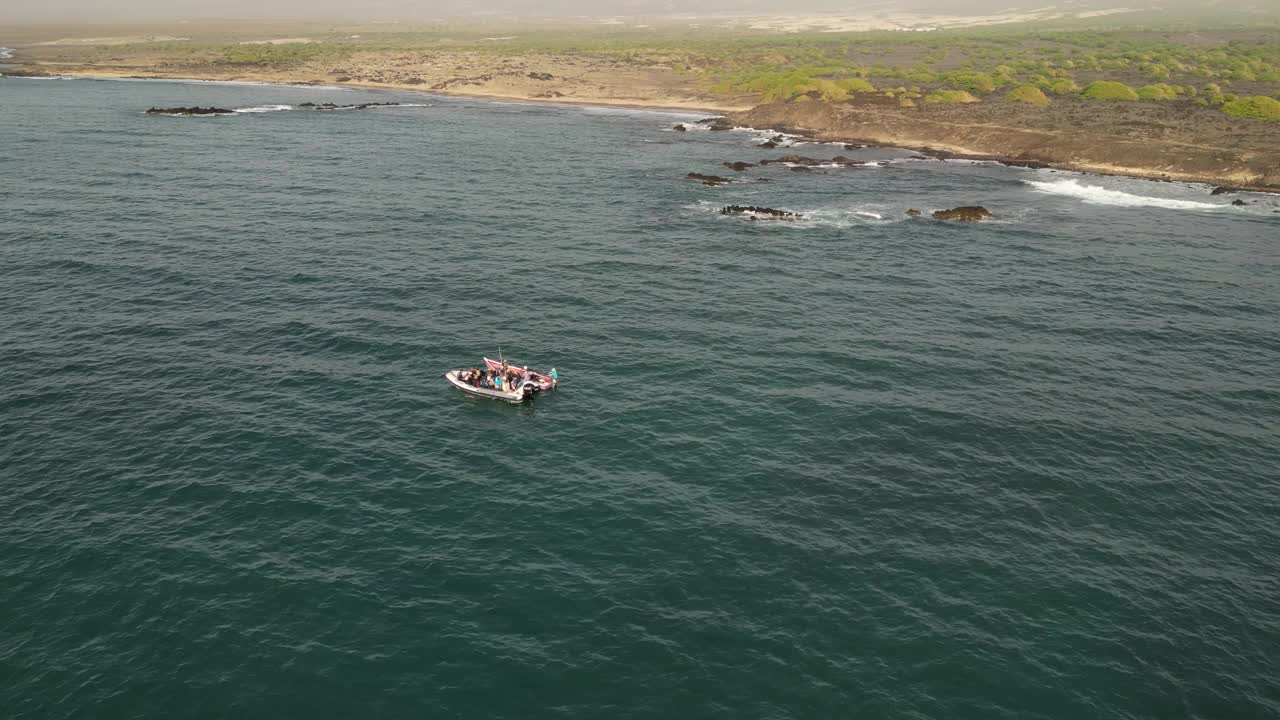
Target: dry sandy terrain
x=542, y=77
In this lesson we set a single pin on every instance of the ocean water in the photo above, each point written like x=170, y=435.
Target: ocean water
x=854, y=466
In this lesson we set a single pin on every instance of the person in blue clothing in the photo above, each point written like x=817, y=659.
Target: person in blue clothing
x=497, y=382
x=555, y=377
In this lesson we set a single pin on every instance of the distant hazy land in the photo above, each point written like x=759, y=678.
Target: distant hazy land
x=1101, y=89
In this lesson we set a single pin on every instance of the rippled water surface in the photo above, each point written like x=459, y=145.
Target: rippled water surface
x=856, y=466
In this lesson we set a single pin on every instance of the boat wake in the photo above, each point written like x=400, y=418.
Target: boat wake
x=1098, y=195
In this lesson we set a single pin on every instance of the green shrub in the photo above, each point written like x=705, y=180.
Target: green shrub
x=977, y=83
x=1158, y=91
x=1064, y=86
x=1108, y=90
x=855, y=85
x=1029, y=94
x=1257, y=106
x=1155, y=71
x=950, y=97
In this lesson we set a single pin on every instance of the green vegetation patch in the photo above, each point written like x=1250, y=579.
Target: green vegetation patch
x=1256, y=106
x=1158, y=91
x=1029, y=94
x=1108, y=90
x=950, y=97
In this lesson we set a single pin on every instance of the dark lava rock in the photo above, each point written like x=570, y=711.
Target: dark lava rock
x=768, y=144
x=851, y=146
x=793, y=160
x=809, y=162
x=1224, y=190
x=759, y=213
x=738, y=166
x=680, y=128
x=708, y=180
x=965, y=213
x=190, y=111
x=1239, y=202
x=332, y=106
x=1033, y=164
x=913, y=212
x=802, y=168
x=716, y=124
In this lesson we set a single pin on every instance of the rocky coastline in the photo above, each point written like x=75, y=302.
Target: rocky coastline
x=1178, y=143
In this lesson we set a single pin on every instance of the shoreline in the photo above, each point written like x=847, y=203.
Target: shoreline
x=700, y=109
x=962, y=154
x=960, y=133
x=937, y=150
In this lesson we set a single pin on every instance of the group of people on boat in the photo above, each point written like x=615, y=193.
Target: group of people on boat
x=503, y=379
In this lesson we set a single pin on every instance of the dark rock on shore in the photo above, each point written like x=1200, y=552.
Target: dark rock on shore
x=738, y=166
x=680, y=128
x=1224, y=190
x=964, y=213
x=708, y=180
x=190, y=111
x=1239, y=202
x=1032, y=164
x=913, y=212
x=717, y=124
x=540, y=76
x=768, y=144
x=759, y=213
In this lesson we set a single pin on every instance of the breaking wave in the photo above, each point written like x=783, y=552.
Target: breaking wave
x=264, y=109
x=839, y=218
x=1098, y=195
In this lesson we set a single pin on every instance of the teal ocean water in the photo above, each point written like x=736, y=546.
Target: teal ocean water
x=855, y=466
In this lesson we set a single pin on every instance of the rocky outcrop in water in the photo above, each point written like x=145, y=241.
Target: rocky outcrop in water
x=186, y=111
x=708, y=180
x=801, y=160
x=964, y=213
x=738, y=166
x=912, y=212
x=680, y=128
x=754, y=212
x=716, y=124
x=333, y=106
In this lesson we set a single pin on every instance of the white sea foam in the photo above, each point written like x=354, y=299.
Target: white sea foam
x=264, y=108
x=5, y=53
x=1098, y=195
x=839, y=218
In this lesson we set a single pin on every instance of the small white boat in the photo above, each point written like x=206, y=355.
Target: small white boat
x=524, y=392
